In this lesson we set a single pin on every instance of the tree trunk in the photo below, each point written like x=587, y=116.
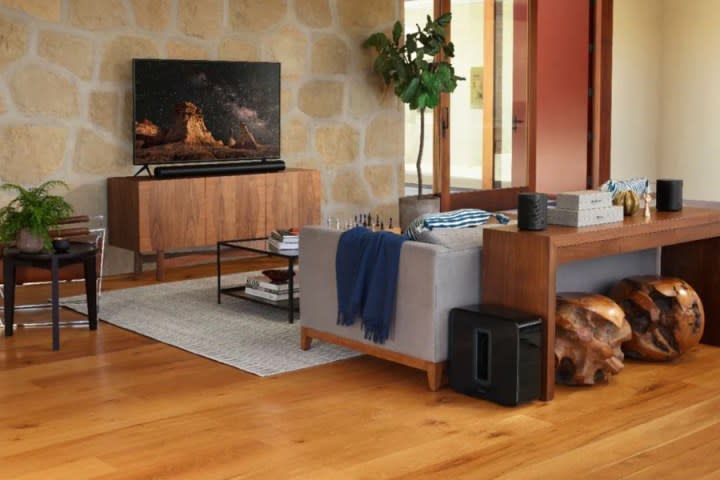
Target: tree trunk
x=420, y=151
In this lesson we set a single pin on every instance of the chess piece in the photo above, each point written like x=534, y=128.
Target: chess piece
x=647, y=198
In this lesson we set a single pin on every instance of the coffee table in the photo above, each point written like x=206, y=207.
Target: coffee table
x=259, y=245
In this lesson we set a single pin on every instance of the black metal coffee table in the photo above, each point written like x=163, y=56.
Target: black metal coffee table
x=260, y=245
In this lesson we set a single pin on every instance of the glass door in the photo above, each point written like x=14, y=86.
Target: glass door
x=480, y=135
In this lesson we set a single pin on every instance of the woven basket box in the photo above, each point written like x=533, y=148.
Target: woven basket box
x=584, y=199
x=586, y=217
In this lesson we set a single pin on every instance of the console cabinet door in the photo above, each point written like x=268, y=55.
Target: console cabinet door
x=293, y=199
x=236, y=207
x=172, y=214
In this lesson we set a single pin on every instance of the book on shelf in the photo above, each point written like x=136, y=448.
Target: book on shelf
x=281, y=245
x=261, y=282
x=289, y=235
x=272, y=296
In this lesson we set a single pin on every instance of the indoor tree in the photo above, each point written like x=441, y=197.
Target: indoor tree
x=418, y=69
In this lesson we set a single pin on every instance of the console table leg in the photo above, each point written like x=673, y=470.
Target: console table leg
x=138, y=266
x=696, y=263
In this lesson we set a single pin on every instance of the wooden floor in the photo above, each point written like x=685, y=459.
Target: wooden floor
x=115, y=405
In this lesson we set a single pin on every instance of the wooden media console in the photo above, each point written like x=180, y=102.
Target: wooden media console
x=153, y=216
x=520, y=267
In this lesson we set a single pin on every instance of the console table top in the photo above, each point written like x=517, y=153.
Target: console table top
x=636, y=232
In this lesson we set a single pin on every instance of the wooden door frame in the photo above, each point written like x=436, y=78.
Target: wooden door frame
x=601, y=83
x=600, y=113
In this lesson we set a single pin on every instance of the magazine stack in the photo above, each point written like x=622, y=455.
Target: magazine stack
x=281, y=239
x=261, y=286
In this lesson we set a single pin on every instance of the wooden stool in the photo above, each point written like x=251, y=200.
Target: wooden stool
x=665, y=313
x=589, y=331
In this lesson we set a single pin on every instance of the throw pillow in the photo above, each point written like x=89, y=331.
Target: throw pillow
x=638, y=185
x=463, y=218
x=457, y=238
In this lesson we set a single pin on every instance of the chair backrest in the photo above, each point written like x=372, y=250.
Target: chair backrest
x=81, y=228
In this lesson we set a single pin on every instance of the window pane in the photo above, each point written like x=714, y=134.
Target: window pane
x=466, y=103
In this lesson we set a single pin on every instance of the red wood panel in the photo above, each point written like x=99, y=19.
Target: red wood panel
x=562, y=79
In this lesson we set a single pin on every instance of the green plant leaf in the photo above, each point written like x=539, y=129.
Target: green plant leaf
x=410, y=91
x=377, y=40
x=397, y=32
x=444, y=19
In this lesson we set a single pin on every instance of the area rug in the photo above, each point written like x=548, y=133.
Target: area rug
x=252, y=337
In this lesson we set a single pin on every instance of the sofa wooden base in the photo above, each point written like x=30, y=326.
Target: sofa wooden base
x=435, y=370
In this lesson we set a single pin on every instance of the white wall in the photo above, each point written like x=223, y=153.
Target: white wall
x=690, y=107
x=636, y=88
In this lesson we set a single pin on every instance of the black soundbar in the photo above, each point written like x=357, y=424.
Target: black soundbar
x=216, y=169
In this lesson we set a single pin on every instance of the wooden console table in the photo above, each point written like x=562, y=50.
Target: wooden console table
x=519, y=267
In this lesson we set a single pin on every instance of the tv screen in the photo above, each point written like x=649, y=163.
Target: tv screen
x=205, y=111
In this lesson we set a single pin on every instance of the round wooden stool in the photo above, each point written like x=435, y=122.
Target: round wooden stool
x=665, y=314
x=589, y=329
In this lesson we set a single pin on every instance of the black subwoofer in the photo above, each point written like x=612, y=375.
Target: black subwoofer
x=495, y=353
x=669, y=195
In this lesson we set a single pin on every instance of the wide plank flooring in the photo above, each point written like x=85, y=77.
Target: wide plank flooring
x=112, y=404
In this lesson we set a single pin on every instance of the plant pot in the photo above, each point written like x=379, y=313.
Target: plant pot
x=412, y=207
x=28, y=242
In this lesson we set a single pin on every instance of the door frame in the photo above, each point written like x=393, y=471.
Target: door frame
x=599, y=112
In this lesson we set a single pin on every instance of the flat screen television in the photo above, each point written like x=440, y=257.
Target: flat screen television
x=205, y=111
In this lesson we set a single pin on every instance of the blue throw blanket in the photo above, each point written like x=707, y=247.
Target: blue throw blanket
x=366, y=270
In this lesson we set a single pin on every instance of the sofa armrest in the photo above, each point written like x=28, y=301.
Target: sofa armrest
x=432, y=279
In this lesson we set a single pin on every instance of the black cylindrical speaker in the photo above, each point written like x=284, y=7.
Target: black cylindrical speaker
x=532, y=211
x=669, y=195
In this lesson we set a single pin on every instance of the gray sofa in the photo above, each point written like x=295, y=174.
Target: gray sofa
x=433, y=278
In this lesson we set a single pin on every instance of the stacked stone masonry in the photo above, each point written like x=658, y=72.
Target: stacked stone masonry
x=66, y=93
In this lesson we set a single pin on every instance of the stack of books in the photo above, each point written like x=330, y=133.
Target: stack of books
x=260, y=286
x=282, y=239
x=584, y=208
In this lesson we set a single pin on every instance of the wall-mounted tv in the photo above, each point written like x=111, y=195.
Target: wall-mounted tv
x=205, y=111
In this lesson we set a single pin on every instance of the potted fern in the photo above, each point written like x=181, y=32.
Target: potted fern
x=27, y=219
x=419, y=71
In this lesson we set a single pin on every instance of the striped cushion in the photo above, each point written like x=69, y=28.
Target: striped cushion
x=637, y=185
x=464, y=218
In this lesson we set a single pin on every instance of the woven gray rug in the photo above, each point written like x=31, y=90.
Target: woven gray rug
x=252, y=337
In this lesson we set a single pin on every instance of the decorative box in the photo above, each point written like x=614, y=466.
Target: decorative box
x=583, y=199
x=586, y=217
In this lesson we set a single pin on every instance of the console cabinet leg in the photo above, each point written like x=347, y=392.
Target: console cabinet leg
x=138, y=264
x=160, y=265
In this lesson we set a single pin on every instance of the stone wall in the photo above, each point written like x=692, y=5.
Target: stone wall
x=65, y=92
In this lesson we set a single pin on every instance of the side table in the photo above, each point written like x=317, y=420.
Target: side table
x=77, y=253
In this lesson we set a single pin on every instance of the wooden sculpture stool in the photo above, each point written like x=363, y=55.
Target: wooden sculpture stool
x=665, y=314
x=589, y=331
